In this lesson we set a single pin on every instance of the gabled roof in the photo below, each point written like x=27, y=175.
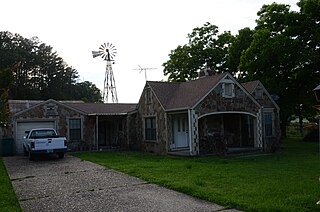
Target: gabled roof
x=103, y=108
x=20, y=106
x=182, y=95
x=250, y=86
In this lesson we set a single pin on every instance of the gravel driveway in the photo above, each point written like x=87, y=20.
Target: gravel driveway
x=71, y=184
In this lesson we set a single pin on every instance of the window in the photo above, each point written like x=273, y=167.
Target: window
x=150, y=128
x=228, y=90
x=268, y=123
x=75, y=129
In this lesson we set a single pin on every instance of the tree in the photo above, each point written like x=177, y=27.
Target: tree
x=241, y=42
x=87, y=92
x=6, y=78
x=280, y=57
x=206, y=48
x=40, y=73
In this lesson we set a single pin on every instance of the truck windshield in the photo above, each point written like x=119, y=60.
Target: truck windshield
x=42, y=134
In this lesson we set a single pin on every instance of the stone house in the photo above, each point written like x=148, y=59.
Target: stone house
x=203, y=116
x=87, y=126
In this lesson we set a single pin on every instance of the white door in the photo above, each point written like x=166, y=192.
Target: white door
x=24, y=126
x=180, y=129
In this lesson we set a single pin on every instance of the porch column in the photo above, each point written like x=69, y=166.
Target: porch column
x=97, y=132
x=193, y=132
x=259, y=127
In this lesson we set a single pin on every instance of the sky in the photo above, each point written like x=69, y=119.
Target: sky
x=143, y=31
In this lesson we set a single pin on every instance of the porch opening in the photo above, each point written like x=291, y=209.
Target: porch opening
x=226, y=132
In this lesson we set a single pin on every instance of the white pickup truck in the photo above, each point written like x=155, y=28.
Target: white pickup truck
x=44, y=141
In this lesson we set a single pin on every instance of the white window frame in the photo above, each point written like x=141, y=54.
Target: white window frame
x=224, y=90
x=269, y=111
x=81, y=127
x=155, y=127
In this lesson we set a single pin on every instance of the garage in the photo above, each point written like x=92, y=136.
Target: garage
x=24, y=126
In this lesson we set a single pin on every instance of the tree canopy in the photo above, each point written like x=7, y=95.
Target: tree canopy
x=282, y=51
x=206, y=48
x=39, y=73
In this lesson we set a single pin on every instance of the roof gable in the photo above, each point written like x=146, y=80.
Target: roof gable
x=253, y=85
x=183, y=95
x=35, y=104
x=17, y=107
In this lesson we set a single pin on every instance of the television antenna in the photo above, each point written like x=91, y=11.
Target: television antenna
x=107, y=52
x=144, y=69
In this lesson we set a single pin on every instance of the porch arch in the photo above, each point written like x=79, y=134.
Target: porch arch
x=227, y=112
x=237, y=129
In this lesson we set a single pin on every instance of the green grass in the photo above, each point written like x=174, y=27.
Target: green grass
x=8, y=199
x=285, y=181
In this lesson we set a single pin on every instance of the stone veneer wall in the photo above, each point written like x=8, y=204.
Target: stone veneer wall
x=60, y=117
x=151, y=109
x=214, y=102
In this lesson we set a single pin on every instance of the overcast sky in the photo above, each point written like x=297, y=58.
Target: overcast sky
x=143, y=31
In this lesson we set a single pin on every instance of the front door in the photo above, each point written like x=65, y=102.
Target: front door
x=180, y=129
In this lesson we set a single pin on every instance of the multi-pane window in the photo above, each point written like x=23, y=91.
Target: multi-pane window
x=150, y=128
x=228, y=90
x=268, y=123
x=75, y=129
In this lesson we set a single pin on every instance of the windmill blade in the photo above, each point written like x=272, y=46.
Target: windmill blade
x=96, y=53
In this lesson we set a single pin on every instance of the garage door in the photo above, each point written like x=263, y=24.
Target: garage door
x=24, y=126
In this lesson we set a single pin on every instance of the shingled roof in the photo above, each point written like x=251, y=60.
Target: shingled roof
x=181, y=95
x=250, y=86
x=18, y=106
x=103, y=108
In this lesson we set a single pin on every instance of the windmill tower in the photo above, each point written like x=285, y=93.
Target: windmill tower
x=107, y=51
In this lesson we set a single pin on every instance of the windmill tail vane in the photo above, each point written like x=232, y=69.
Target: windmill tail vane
x=107, y=52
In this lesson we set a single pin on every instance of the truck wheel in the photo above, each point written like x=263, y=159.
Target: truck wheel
x=61, y=154
x=31, y=156
x=25, y=153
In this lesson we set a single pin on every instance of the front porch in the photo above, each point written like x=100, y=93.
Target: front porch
x=216, y=134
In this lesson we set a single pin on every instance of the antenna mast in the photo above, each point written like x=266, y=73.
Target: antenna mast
x=107, y=53
x=145, y=70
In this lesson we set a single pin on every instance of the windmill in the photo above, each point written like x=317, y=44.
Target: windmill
x=145, y=70
x=107, y=52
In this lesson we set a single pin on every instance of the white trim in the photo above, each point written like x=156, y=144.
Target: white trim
x=227, y=112
x=269, y=110
x=235, y=82
x=68, y=126
x=268, y=95
x=144, y=127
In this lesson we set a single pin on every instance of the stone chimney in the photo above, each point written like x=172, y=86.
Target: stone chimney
x=205, y=72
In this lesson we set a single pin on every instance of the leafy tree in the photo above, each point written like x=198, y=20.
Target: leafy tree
x=206, y=48
x=281, y=58
x=40, y=73
x=241, y=42
x=87, y=92
x=6, y=78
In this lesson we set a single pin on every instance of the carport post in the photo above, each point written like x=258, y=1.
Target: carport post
x=97, y=131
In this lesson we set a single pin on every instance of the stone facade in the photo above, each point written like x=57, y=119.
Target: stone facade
x=60, y=115
x=214, y=102
x=149, y=106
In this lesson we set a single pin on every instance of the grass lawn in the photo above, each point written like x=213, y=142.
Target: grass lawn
x=8, y=199
x=285, y=181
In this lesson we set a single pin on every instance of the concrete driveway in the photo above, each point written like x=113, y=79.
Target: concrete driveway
x=71, y=184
